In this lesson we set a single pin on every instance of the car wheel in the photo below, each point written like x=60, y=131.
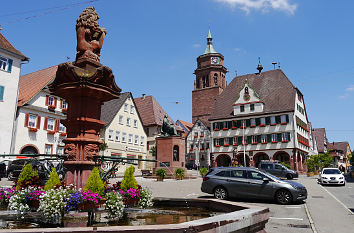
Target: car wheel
x=289, y=176
x=283, y=197
x=10, y=176
x=220, y=193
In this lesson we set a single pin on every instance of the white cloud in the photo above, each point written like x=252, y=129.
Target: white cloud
x=196, y=45
x=350, y=88
x=237, y=49
x=262, y=5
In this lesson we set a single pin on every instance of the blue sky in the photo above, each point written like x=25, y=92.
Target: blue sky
x=152, y=46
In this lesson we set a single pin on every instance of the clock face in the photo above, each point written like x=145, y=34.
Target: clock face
x=214, y=60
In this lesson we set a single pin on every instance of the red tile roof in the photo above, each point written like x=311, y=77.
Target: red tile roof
x=273, y=87
x=186, y=124
x=319, y=134
x=343, y=146
x=6, y=45
x=150, y=111
x=31, y=84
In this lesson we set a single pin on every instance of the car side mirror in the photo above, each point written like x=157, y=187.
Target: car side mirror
x=266, y=179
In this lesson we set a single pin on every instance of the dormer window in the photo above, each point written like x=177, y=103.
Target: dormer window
x=251, y=107
x=242, y=108
x=5, y=64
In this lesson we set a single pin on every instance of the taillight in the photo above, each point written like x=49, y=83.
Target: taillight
x=205, y=178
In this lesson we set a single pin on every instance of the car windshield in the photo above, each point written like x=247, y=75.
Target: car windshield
x=331, y=171
x=271, y=176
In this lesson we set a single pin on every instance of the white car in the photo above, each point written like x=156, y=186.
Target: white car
x=331, y=176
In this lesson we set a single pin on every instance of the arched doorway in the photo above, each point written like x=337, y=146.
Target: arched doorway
x=282, y=156
x=240, y=160
x=223, y=160
x=257, y=158
x=29, y=150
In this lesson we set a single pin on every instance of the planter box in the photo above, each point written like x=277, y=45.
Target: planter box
x=159, y=178
x=86, y=206
x=33, y=129
x=310, y=174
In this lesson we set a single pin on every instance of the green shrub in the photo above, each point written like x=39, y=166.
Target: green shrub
x=203, y=171
x=161, y=173
x=28, y=177
x=310, y=165
x=94, y=183
x=286, y=165
x=53, y=180
x=129, y=179
x=179, y=173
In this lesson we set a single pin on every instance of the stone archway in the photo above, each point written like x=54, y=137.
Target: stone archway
x=29, y=149
x=240, y=159
x=257, y=158
x=223, y=160
x=282, y=156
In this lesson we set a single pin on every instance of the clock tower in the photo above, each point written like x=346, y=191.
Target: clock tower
x=209, y=83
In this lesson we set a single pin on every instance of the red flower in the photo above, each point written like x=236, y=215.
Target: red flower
x=262, y=125
x=217, y=146
x=33, y=129
x=234, y=127
x=225, y=129
x=50, y=132
x=226, y=144
x=216, y=129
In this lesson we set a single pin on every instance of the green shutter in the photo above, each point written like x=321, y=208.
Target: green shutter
x=221, y=141
x=287, y=118
x=230, y=140
x=238, y=124
x=277, y=119
x=289, y=136
x=214, y=141
x=249, y=139
x=248, y=122
x=239, y=140
x=9, y=65
x=229, y=124
x=269, y=138
x=267, y=119
x=279, y=137
x=259, y=138
x=234, y=124
x=2, y=93
x=258, y=121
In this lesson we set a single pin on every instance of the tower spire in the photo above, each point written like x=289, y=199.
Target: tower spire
x=210, y=47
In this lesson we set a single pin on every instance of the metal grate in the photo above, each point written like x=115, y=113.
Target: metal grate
x=299, y=226
x=317, y=196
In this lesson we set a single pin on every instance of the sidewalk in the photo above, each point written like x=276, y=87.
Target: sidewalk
x=328, y=214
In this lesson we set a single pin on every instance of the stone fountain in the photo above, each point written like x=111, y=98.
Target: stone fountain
x=85, y=85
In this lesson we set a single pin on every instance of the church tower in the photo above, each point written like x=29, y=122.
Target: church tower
x=209, y=83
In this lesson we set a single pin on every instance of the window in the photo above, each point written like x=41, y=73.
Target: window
x=215, y=79
x=264, y=138
x=117, y=136
x=175, y=153
x=284, y=137
x=125, y=107
x=50, y=124
x=48, y=149
x=51, y=101
x=238, y=174
x=195, y=134
x=135, y=123
x=32, y=121
x=223, y=174
x=5, y=64
x=217, y=142
x=253, y=122
x=263, y=122
x=121, y=119
x=274, y=137
x=272, y=120
x=110, y=135
x=234, y=140
x=242, y=108
x=62, y=128
x=283, y=119
x=124, y=137
x=252, y=107
x=255, y=175
x=142, y=142
x=136, y=140
x=60, y=150
x=132, y=109
x=64, y=104
x=254, y=139
x=2, y=89
x=130, y=139
x=278, y=166
x=128, y=121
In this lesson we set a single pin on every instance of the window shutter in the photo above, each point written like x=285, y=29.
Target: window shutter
x=45, y=123
x=214, y=141
x=287, y=118
x=46, y=100
x=234, y=124
x=259, y=138
x=26, y=119
x=267, y=119
x=230, y=140
x=2, y=93
x=61, y=104
x=239, y=140
x=277, y=119
x=57, y=123
x=289, y=136
x=229, y=124
x=248, y=122
x=258, y=121
x=9, y=68
x=55, y=102
x=38, y=122
x=269, y=138
x=249, y=139
x=221, y=141
x=279, y=137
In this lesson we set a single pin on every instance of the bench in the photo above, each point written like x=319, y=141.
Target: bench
x=146, y=172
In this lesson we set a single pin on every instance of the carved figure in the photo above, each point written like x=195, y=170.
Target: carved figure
x=90, y=35
x=167, y=128
x=70, y=150
x=90, y=151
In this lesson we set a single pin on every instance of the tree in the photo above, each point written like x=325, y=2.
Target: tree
x=129, y=179
x=153, y=151
x=95, y=183
x=322, y=160
x=28, y=177
x=53, y=180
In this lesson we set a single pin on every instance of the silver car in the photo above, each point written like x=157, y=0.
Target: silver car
x=245, y=182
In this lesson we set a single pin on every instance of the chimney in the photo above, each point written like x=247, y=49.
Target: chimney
x=143, y=96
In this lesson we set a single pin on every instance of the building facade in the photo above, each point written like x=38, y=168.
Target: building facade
x=39, y=128
x=124, y=133
x=10, y=68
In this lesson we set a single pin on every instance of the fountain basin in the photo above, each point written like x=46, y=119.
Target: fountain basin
x=235, y=217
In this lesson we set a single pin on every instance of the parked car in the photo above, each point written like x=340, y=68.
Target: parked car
x=245, y=182
x=277, y=170
x=15, y=168
x=331, y=176
x=2, y=170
